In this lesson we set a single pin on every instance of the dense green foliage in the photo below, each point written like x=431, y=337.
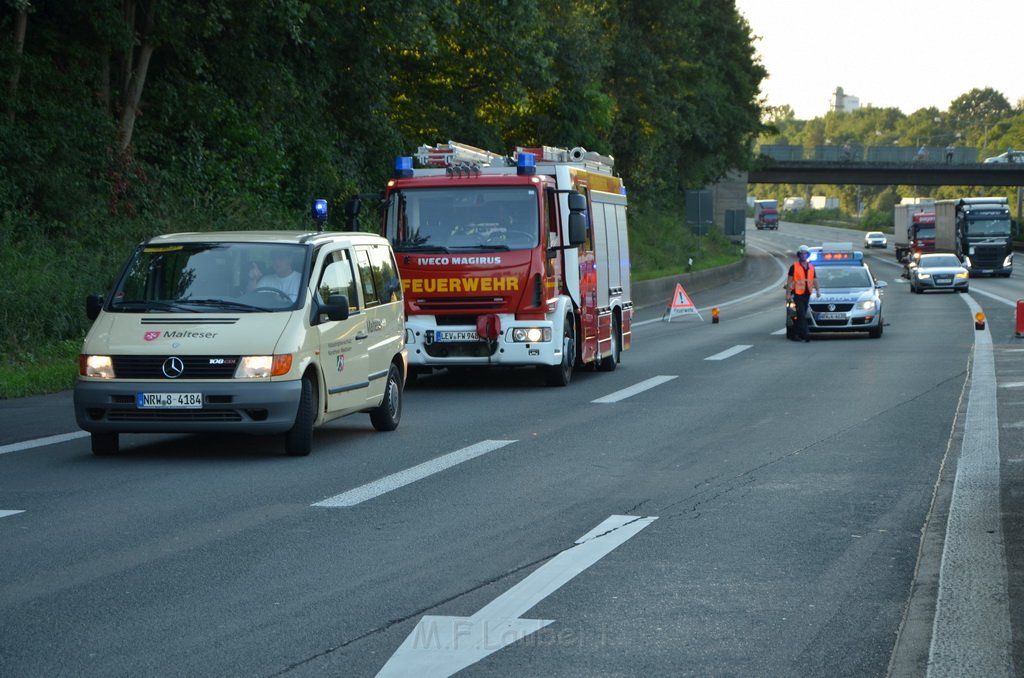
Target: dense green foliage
x=980, y=119
x=123, y=119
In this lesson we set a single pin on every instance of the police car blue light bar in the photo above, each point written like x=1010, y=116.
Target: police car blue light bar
x=831, y=257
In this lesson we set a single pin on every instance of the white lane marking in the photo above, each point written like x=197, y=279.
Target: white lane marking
x=972, y=614
x=774, y=287
x=644, y=385
x=40, y=442
x=778, y=332
x=442, y=646
x=5, y=513
x=1004, y=300
x=411, y=475
x=730, y=352
x=1012, y=384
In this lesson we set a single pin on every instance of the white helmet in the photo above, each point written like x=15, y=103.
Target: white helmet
x=803, y=248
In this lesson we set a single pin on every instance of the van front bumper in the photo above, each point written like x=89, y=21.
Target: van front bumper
x=243, y=407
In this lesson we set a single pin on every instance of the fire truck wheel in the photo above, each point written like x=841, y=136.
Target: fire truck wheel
x=298, y=442
x=389, y=412
x=611, y=361
x=561, y=374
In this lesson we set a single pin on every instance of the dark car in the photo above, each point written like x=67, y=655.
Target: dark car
x=938, y=271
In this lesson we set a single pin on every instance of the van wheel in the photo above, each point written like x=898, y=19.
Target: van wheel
x=561, y=374
x=104, y=443
x=611, y=361
x=298, y=442
x=387, y=415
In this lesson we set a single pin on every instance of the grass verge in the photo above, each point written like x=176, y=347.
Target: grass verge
x=49, y=368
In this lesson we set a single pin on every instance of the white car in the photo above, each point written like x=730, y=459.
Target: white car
x=1009, y=156
x=875, y=239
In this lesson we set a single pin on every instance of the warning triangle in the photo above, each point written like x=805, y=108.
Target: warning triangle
x=681, y=304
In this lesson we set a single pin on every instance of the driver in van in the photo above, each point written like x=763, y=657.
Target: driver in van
x=283, y=277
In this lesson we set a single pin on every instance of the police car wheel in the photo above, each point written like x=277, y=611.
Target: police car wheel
x=387, y=415
x=298, y=442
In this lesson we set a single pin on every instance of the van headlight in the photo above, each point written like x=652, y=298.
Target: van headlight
x=263, y=366
x=523, y=335
x=96, y=366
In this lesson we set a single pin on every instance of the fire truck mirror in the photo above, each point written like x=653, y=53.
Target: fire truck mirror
x=577, y=202
x=577, y=229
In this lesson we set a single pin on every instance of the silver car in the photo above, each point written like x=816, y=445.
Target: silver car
x=875, y=239
x=938, y=271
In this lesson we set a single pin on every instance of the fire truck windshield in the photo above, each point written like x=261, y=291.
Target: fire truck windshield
x=463, y=218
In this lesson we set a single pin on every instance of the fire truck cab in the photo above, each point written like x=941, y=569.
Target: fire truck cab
x=511, y=260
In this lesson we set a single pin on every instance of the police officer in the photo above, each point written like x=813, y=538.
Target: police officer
x=798, y=289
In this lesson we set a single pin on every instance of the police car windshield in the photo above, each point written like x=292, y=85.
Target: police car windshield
x=832, y=277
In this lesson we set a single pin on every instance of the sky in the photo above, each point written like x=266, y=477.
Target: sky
x=907, y=54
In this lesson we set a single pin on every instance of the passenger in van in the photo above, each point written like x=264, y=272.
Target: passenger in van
x=283, y=277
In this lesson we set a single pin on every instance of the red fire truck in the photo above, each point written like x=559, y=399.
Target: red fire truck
x=511, y=260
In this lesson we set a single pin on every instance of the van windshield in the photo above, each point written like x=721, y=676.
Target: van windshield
x=198, y=277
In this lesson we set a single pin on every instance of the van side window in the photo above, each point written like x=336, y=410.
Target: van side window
x=338, y=279
x=385, y=274
x=371, y=293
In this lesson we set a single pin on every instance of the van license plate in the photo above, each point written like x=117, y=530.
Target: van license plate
x=169, y=400
x=452, y=335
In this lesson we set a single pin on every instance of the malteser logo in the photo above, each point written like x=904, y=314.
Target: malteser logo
x=178, y=334
x=151, y=336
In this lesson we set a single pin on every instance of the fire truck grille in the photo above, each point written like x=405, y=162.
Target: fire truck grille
x=461, y=303
x=471, y=349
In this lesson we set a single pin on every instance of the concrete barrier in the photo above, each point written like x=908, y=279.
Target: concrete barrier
x=659, y=292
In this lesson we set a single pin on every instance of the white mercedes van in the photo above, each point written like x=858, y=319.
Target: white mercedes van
x=261, y=332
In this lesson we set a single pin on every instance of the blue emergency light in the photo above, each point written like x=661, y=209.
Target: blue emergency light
x=403, y=166
x=319, y=211
x=526, y=164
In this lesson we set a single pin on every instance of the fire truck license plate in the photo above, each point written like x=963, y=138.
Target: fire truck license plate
x=452, y=335
x=169, y=400
x=831, y=316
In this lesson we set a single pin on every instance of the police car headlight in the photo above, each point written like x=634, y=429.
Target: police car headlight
x=97, y=366
x=868, y=305
x=522, y=335
x=263, y=366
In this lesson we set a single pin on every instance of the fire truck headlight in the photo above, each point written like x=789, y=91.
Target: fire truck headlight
x=523, y=335
x=98, y=366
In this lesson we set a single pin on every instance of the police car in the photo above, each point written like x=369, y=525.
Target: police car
x=851, y=299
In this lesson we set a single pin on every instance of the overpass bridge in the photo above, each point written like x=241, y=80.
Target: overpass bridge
x=880, y=166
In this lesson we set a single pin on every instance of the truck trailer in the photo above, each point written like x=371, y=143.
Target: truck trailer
x=979, y=231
